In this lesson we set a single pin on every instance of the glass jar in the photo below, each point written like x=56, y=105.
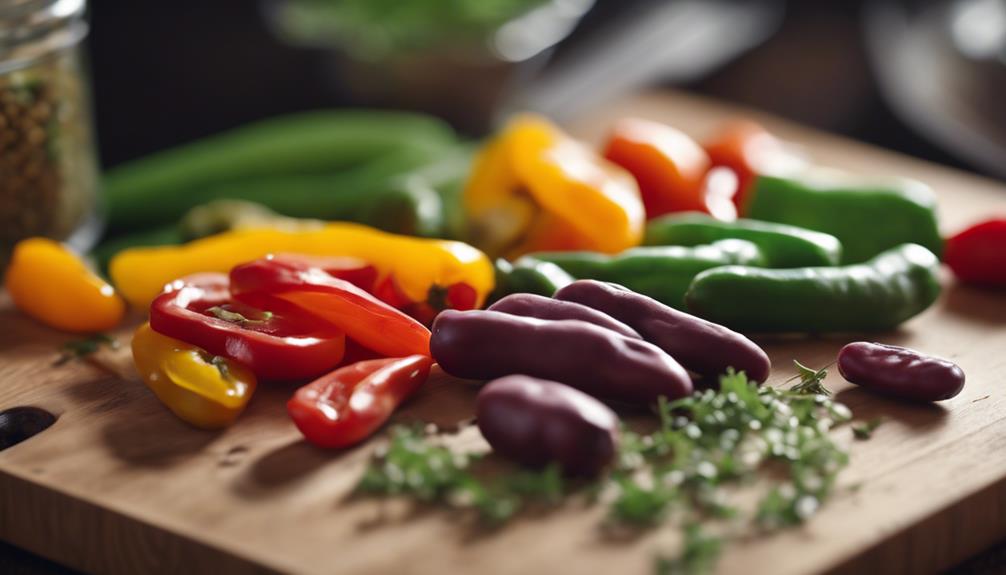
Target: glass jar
x=48, y=167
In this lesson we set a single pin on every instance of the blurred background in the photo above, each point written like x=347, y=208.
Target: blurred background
x=924, y=78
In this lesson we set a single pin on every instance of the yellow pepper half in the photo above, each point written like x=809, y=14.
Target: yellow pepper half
x=416, y=264
x=534, y=188
x=203, y=390
x=51, y=284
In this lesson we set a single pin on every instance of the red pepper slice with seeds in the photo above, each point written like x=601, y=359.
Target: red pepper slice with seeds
x=365, y=319
x=278, y=343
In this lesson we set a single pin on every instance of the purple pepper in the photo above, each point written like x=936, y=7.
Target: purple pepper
x=541, y=307
x=701, y=346
x=489, y=344
x=537, y=422
x=900, y=372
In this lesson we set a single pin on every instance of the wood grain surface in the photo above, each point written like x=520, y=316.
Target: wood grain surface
x=118, y=485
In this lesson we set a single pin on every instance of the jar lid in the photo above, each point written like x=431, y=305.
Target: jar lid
x=30, y=28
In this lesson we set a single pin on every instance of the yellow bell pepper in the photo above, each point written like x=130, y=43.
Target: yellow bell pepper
x=206, y=391
x=416, y=264
x=534, y=188
x=51, y=284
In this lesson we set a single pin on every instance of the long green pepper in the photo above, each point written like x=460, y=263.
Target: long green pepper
x=528, y=275
x=783, y=246
x=866, y=218
x=876, y=295
x=661, y=272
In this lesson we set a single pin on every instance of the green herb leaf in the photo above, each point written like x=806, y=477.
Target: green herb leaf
x=699, y=554
x=811, y=381
x=863, y=430
x=79, y=348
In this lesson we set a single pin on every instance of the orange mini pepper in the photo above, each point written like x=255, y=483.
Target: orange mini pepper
x=534, y=188
x=51, y=284
x=672, y=169
x=417, y=265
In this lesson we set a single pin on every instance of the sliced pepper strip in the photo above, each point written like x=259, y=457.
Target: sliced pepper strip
x=535, y=188
x=280, y=343
x=201, y=389
x=364, y=318
x=52, y=285
x=348, y=405
x=416, y=264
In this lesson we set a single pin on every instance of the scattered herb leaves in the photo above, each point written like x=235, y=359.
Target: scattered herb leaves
x=703, y=442
x=863, y=430
x=80, y=348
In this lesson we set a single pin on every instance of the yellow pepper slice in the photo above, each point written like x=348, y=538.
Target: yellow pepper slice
x=535, y=188
x=51, y=284
x=416, y=264
x=204, y=390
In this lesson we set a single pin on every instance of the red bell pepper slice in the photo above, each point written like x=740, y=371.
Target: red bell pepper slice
x=364, y=318
x=977, y=255
x=749, y=150
x=354, y=270
x=279, y=342
x=669, y=166
x=348, y=405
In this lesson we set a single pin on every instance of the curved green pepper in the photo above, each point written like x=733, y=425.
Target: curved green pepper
x=867, y=219
x=161, y=187
x=661, y=272
x=783, y=246
x=528, y=275
x=875, y=295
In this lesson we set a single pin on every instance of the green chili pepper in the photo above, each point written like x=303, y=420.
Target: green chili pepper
x=528, y=275
x=867, y=219
x=875, y=295
x=661, y=272
x=783, y=246
x=160, y=188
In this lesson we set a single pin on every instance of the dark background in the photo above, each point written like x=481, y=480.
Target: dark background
x=167, y=73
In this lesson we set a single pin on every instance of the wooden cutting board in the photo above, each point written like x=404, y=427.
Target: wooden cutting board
x=118, y=485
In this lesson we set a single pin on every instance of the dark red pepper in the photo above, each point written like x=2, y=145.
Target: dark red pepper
x=977, y=255
x=277, y=343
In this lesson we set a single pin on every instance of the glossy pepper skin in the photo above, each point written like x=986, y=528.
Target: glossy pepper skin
x=701, y=346
x=876, y=295
x=535, y=188
x=278, y=343
x=867, y=218
x=416, y=265
x=528, y=275
x=661, y=272
x=595, y=360
x=364, y=318
x=749, y=150
x=348, y=405
x=537, y=422
x=531, y=305
x=670, y=168
x=783, y=246
x=201, y=389
x=52, y=285
x=900, y=372
x=977, y=255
